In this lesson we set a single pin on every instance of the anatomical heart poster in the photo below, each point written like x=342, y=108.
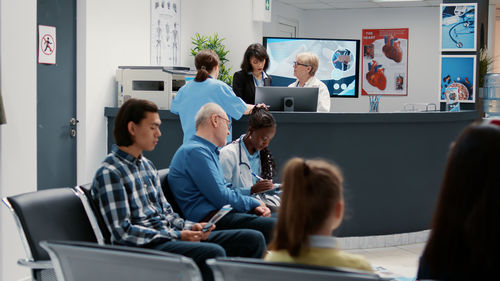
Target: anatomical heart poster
x=385, y=62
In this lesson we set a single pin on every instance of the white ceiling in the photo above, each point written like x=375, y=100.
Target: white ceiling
x=355, y=4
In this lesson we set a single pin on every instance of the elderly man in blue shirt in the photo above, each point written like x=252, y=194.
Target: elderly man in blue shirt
x=128, y=191
x=198, y=183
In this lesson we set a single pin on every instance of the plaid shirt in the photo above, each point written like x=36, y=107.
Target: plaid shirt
x=129, y=194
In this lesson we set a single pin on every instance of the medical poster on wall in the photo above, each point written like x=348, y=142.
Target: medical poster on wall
x=458, y=27
x=458, y=75
x=385, y=62
x=165, y=32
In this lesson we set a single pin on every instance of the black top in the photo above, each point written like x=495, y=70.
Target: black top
x=244, y=86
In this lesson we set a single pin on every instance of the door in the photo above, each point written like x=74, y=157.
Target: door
x=56, y=99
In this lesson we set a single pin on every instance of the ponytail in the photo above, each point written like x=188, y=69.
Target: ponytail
x=201, y=75
x=311, y=189
x=205, y=61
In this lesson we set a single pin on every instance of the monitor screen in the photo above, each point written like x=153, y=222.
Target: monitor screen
x=288, y=98
x=338, y=62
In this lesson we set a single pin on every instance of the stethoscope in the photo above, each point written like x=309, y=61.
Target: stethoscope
x=241, y=161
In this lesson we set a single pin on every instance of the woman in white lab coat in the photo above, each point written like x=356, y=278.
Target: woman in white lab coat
x=304, y=68
x=246, y=162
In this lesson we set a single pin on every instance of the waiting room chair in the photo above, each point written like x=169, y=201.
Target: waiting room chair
x=246, y=269
x=52, y=214
x=94, y=214
x=83, y=261
x=163, y=174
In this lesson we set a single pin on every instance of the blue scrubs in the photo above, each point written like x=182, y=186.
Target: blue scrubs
x=192, y=96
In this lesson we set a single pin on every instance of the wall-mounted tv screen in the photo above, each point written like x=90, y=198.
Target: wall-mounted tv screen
x=338, y=62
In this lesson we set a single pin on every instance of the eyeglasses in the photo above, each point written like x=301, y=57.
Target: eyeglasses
x=228, y=122
x=298, y=63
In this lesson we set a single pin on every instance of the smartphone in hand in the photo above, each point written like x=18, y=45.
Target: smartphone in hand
x=207, y=227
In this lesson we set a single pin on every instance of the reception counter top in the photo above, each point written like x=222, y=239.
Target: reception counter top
x=392, y=162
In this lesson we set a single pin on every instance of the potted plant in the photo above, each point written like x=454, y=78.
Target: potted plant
x=484, y=65
x=485, y=62
x=214, y=43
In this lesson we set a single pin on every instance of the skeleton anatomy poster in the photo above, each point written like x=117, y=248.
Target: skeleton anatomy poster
x=165, y=32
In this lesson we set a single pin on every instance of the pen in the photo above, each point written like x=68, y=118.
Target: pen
x=255, y=175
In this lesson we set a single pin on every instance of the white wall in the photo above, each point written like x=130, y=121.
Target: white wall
x=423, y=57
x=286, y=12
x=110, y=33
x=231, y=19
x=18, y=136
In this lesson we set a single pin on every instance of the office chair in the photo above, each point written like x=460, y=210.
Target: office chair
x=163, y=174
x=246, y=269
x=83, y=261
x=52, y=214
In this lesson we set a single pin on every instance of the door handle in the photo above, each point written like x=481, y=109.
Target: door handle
x=73, y=121
x=72, y=131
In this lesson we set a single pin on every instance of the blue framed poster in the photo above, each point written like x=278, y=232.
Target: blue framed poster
x=458, y=27
x=458, y=77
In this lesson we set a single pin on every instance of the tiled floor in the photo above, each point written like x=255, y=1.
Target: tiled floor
x=400, y=262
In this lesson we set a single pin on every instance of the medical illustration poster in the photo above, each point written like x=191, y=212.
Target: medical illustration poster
x=458, y=27
x=165, y=32
x=385, y=62
x=458, y=75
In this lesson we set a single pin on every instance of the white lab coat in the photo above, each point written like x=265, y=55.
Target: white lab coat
x=236, y=171
x=323, y=93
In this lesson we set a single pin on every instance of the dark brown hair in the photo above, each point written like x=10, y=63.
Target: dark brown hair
x=466, y=222
x=260, y=118
x=132, y=110
x=259, y=52
x=205, y=61
x=311, y=190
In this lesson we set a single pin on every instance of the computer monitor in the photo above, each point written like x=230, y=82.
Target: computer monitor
x=338, y=62
x=288, y=98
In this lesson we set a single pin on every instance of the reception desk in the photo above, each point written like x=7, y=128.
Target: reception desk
x=392, y=162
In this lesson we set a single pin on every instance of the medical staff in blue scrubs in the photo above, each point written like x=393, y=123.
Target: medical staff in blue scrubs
x=204, y=89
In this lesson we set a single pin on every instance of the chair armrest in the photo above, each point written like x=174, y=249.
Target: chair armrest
x=35, y=264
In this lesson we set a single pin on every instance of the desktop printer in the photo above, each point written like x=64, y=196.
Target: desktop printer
x=155, y=83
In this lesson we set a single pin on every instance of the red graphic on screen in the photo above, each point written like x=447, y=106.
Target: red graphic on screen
x=375, y=75
x=392, y=49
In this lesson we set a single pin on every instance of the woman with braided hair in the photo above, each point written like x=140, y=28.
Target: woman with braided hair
x=247, y=163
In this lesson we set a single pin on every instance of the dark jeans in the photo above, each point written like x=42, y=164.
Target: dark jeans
x=235, y=220
x=234, y=243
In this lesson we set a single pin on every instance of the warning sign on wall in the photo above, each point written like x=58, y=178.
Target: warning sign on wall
x=47, y=44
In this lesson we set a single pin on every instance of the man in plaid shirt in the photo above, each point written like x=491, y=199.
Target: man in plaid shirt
x=128, y=191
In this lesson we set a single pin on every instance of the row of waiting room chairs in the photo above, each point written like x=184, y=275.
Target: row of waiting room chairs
x=66, y=239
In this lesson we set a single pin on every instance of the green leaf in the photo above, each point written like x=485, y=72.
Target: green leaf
x=215, y=43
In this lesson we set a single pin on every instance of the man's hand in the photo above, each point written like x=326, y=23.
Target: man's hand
x=262, y=185
x=262, y=210
x=199, y=227
x=190, y=235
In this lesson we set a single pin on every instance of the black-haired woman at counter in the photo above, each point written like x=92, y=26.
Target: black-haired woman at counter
x=252, y=73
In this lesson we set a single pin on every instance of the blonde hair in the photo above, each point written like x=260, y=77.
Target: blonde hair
x=311, y=190
x=310, y=59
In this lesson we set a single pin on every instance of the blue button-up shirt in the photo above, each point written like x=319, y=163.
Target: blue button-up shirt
x=129, y=194
x=198, y=183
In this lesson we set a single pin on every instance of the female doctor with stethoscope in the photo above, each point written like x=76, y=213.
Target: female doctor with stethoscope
x=246, y=162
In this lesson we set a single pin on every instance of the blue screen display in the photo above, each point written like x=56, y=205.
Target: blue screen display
x=338, y=62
